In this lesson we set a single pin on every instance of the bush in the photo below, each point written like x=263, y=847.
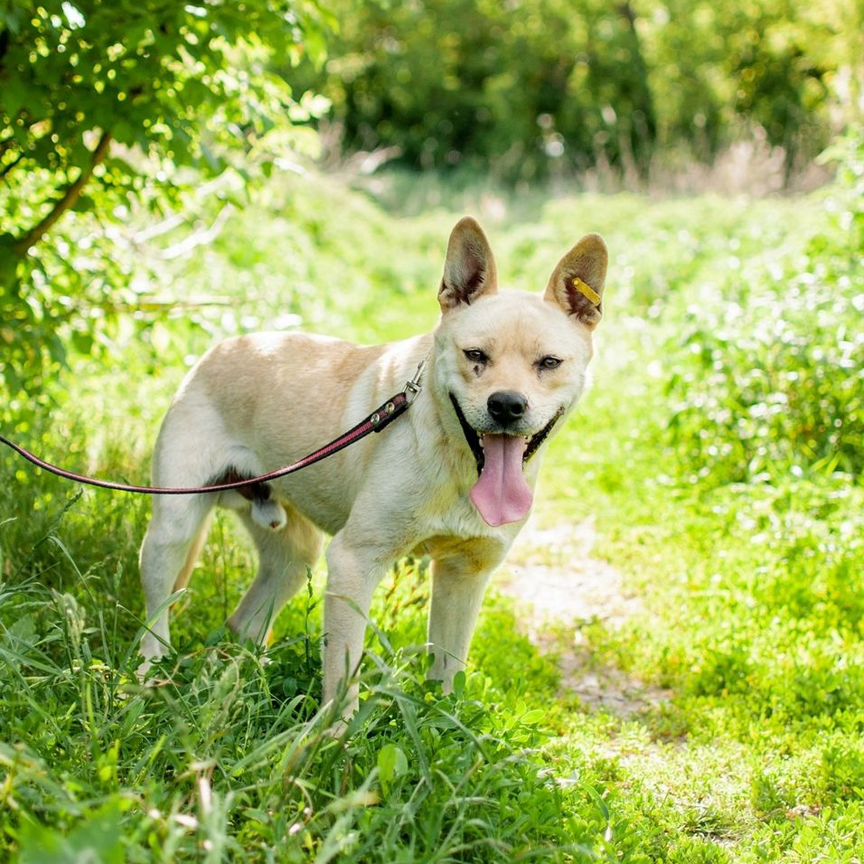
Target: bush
x=109, y=107
x=774, y=381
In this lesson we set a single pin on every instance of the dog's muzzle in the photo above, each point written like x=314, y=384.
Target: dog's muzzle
x=473, y=437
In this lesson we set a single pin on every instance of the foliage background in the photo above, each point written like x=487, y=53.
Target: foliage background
x=113, y=115
x=719, y=454
x=538, y=87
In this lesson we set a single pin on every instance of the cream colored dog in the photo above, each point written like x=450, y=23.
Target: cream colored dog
x=451, y=479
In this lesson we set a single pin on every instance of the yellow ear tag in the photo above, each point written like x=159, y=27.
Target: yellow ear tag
x=586, y=291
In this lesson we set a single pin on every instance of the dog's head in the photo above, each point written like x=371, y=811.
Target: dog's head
x=512, y=365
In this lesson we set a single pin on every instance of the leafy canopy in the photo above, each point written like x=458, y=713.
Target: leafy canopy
x=102, y=104
x=536, y=87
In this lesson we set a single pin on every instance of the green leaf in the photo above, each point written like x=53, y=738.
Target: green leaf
x=97, y=838
x=392, y=764
x=533, y=717
x=459, y=682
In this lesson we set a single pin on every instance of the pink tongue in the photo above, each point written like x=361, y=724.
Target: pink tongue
x=501, y=494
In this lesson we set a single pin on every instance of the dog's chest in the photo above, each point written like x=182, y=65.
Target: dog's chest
x=457, y=529
x=479, y=553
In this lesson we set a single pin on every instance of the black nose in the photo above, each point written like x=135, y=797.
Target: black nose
x=506, y=407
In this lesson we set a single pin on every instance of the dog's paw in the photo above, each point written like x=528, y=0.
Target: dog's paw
x=269, y=514
x=145, y=674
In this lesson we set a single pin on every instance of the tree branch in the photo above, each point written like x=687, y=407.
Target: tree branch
x=66, y=201
x=199, y=237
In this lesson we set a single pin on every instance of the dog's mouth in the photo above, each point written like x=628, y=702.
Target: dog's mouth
x=533, y=442
x=501, y=494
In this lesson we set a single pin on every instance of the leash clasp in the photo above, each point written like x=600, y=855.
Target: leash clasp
x=413, y=387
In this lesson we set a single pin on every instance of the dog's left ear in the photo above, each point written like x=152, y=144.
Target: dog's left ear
x=576, y=284
x=469, y=269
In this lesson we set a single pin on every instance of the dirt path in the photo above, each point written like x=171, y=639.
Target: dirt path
x=554, y=578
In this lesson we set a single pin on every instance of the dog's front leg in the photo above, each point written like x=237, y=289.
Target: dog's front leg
x=458, y=585
x=354, y=571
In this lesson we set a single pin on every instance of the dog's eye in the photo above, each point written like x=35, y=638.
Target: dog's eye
x=475, y=355
x=549, y=362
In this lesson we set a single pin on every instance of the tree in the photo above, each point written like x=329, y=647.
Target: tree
x=523, y=87
x=531, y=87
x=108, y=102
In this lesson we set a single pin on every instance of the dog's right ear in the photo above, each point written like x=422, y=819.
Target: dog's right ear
x=469, y=269
x=576, y=285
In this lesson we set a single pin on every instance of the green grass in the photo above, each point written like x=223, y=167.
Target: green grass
x=725, y=517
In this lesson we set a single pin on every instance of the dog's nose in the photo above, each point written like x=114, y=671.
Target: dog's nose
x=506, y=406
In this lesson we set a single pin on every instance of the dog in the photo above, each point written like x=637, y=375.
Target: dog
x=452, y=479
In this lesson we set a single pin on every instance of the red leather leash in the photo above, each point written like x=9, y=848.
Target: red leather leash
x=379, y=419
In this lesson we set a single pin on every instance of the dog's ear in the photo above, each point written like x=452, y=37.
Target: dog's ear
x=469, y=269
x=576, y=285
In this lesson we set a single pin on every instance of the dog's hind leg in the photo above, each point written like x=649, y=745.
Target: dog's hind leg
x=194, y=553
x=173, y=541
x=284, y=557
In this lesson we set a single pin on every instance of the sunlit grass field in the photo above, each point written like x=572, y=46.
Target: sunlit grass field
x=719, y=454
